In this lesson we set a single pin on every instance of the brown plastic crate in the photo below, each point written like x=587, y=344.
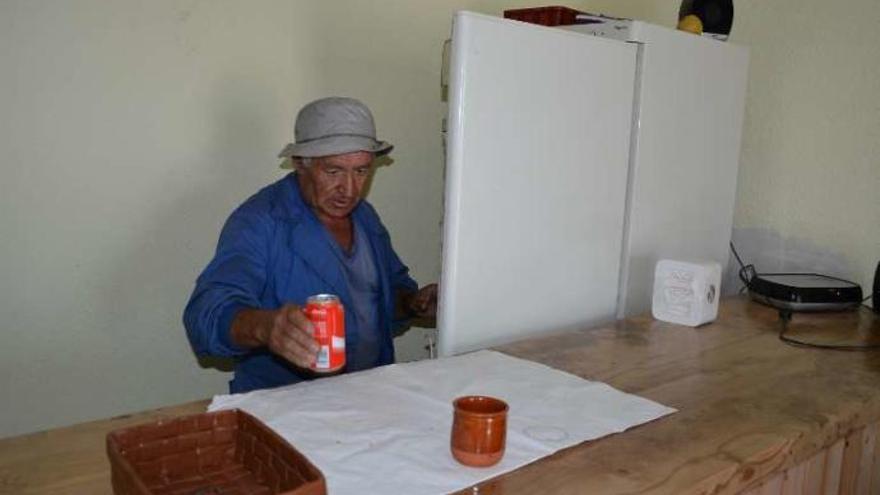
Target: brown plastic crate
x=546, y=16
x=225, y=452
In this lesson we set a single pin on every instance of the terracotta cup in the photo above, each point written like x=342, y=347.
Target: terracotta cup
x=479, y=430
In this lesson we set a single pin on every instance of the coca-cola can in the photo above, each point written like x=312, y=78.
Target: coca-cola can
x=327, y=315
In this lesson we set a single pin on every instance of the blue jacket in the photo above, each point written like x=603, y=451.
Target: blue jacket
x=271, y=252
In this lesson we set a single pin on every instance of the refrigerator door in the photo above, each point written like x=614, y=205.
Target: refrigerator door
x=538, y=141
x=690, y=103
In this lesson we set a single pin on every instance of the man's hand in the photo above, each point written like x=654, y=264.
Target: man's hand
x=285, y=331
x=423, y=304
x=291, y=336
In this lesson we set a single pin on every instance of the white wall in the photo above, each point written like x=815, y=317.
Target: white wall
x=809, y=182
x=130, y=130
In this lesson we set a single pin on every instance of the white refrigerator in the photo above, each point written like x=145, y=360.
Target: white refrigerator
x=574, y=161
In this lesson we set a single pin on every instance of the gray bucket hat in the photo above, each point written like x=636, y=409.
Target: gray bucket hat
x=333, y=126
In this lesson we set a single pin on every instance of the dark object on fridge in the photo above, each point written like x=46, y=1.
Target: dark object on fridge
x=546, y=16
x=716, y=15
x=229, y=452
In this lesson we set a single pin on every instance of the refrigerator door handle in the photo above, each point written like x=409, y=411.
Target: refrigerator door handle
x=444, y=67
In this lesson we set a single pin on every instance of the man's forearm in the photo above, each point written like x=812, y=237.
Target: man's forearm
x=402, y=304
x=250, y=327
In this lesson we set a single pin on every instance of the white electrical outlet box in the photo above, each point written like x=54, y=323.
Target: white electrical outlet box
x=686, y=293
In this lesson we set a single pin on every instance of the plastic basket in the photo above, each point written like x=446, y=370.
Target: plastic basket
x=225, y=452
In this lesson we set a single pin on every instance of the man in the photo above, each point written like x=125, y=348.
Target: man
x=309, y=233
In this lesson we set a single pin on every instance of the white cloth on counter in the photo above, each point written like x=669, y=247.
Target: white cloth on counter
x=386, y=430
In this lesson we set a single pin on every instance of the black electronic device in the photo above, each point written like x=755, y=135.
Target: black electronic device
x=794, y=292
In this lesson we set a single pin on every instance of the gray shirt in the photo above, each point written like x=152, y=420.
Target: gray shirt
x=360, y=274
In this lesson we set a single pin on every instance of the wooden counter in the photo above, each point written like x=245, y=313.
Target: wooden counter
x=755, y=415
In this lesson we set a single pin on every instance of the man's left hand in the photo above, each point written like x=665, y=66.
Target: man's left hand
x=423, y=304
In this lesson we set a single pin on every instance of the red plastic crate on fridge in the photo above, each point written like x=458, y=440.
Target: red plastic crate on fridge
x=545, y=16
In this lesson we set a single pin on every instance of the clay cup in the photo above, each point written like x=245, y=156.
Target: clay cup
x=479, y=430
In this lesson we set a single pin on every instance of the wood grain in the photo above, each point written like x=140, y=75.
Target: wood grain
x=793, y=480
x=875, y=468
x=814, y=474
x=70, y=460
x=749, y=405
x=833, y=466
x=843, y=469
x=863, y=479
x=852, y=457
x=751, y=408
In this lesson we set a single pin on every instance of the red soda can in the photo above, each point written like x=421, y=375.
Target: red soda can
x=327, y=315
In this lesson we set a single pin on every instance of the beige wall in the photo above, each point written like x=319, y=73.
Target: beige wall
x=809, y=182
x=130, y=129
x=810, y=171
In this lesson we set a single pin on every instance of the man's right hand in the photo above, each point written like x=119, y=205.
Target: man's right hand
x=285, y=331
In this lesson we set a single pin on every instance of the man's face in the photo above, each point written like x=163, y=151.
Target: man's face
x=332, y=185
